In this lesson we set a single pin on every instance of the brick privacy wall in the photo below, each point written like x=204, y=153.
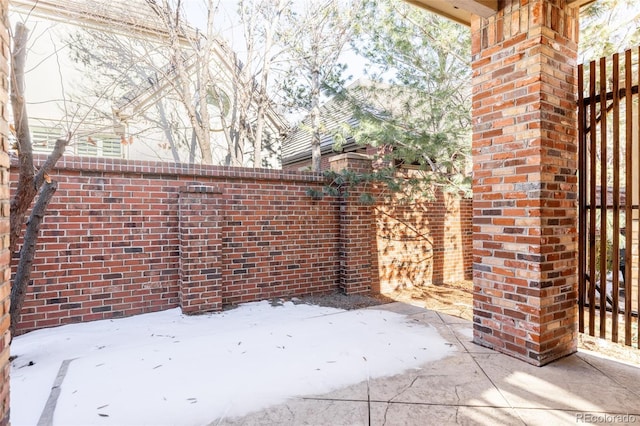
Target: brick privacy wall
x=110, y=246
x=5, y=270
x=124, y=238
x=424, y=242
x=525, y=152
x=358, y=252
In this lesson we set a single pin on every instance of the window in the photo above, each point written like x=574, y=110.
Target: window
x=44, y=138
x=87, y=146
x=112, y=147
x=99, y=145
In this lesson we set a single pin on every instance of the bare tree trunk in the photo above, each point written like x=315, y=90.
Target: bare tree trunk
x=25, y=191
x=262, y=99
x=266, y=16
x=29, y=182
x=257, y=142
x=316, y=152
x=28, y=251
x=167, y=132
x=315, y=39
x=236, y=133
x=192, y=147
x=182, y=87
x=234, y=124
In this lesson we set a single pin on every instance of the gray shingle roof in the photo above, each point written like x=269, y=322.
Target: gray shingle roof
x=335, y=115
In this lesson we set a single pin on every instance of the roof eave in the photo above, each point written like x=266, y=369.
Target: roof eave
x=350, y=144
x=461, y=10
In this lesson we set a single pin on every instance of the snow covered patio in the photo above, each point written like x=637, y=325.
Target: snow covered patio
x=289, y=363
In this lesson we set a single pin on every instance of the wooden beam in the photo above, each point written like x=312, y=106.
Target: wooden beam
x=458, y=10
x=579, y=3
x=484, y=8
x=461, y=10
x=443, y=8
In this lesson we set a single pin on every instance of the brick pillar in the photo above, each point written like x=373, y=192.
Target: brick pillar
x=5, y=269
x=200, y=249
x=525, y=159
x=358, y=249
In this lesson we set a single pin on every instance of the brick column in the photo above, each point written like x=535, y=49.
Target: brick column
x=358, y=249
x=200, y=249
x=5, y=269
x=525, y=153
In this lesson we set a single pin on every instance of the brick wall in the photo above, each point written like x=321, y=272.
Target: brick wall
x=5, y=271
x=111, y=245
x=525, y=191
x=424, y=242
x=124, y=238
x=358, y=251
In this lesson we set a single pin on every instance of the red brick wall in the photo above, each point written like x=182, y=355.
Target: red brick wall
x=358, y=253
x=524, y=153
x=5, y=271
x=110, y=246
x=424, y=242
x=124, y=238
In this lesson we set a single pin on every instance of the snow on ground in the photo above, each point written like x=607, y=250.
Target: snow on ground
x=166, y=368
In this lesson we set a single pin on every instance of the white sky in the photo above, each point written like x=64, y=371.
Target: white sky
x=231, y=30
x=165, y=368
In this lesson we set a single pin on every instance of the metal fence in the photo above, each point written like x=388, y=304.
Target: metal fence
x=609, y=183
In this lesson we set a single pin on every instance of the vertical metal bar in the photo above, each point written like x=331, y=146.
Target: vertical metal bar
x=638, y=252
x=582, y=199
x=616, y=195
x=628, y=188
x=603, y=197
x=592, y=197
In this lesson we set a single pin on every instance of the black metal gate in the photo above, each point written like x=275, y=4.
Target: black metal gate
x=609, y=183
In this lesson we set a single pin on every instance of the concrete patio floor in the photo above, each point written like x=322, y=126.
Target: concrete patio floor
x=474, y=386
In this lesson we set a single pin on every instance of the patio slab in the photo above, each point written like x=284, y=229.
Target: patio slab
x=474, y=386
x=456, y=381
x=306, y=412
x=567, y=384
x=417, y=414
